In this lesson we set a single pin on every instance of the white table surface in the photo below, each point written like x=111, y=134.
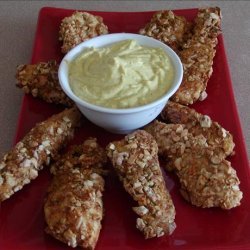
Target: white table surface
x=17, y=30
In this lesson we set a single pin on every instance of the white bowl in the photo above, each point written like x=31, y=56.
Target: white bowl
x=121, y=121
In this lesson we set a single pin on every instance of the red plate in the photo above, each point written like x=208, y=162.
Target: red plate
x=21, y=217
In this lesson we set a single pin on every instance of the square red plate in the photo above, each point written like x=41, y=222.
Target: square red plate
x=21, y=217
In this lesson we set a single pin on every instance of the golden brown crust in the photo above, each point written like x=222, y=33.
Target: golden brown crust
x=173, y=140
x=22, y=163
x=74, y=207
x=136, y=163
x=79, y=27
x=207, y=180
x=197, y=61
x=168, y=28
x=197, y=56
x=41, y=81
x=207, y=25
x=195, y=44
x=199, y=124
x=208, y=183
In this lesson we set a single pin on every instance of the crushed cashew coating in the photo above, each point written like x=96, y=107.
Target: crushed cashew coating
x=173, y=140
x=197, y=55
x=207, y=180
x=197, y=61
x=79, y=27
x=169, y=28
x=41, y=81
x=73, y=206
x=22, y=163
x=136, y=163
x=199, y=124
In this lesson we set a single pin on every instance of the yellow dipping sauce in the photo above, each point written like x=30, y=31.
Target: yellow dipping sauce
x=122, y=75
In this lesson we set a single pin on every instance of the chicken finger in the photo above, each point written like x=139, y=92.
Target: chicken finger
x=207, y=183
x=169, y=28
x=136, y=163
x=73, y=206
x=197, y=56
x=199, y=124
x=79, y=27
x=22, y=163
x=41, y=81
x=173, y=140
x=206, y=179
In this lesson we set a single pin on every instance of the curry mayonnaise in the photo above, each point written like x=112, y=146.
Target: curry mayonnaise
x=122, y=75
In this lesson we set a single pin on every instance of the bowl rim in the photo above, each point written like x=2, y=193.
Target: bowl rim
x=123, y=36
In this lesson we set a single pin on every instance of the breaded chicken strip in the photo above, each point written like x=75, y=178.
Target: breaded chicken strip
x=173, y=140
x=197, y=56
x=168, y=28
x=79, y=27
x=22, y=163
x=197, y=61
x=199, y=124
x=136, y=163
x=207, y=26
x=206, y=183
x=41, y=81
x=206, y=179
x=73, y=206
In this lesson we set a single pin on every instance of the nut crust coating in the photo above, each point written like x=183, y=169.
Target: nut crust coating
x=168, y=28
x=199, y=124
x=22, y=163
x=197, y=56
x=41, y=81
x=136, y=163
x=73, y=206
x=79, y=27
x=206, y=179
